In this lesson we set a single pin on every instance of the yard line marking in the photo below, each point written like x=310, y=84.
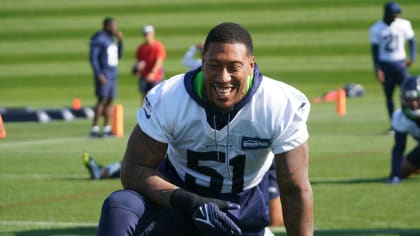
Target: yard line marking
x=42, y=141
x=41, y=176
x=50, y=200
x=45, y=223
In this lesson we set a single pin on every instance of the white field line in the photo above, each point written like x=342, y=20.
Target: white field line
x=44, y=223
x=42, y=176
x=41, y=142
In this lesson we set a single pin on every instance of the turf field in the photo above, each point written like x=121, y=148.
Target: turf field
x=315, y=45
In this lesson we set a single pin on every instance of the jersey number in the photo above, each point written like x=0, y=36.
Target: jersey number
x=112, y=51
x=391, y=42
x=216, y=180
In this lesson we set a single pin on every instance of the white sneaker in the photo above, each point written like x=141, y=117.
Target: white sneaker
x=393, y=180
x=268, y=232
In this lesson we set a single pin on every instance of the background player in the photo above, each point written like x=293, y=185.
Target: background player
x=406, y=121
x=150, y=56
x=191, y=59
x=219, y=127
x=104, y=56
x=388, y=37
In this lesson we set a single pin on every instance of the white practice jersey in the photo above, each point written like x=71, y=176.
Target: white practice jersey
x=236, y=157
x=401, y=123
x=391, y=39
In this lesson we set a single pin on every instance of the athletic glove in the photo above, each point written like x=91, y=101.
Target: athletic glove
x=208, y=214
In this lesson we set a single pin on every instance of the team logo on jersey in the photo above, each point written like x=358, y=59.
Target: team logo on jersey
x=255, y=143
x=302, y=106
x=147, y=108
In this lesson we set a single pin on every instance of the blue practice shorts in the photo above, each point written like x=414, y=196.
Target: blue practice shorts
x=145, y=86
x=108, y=90
x=126, y=212
x=273, y=187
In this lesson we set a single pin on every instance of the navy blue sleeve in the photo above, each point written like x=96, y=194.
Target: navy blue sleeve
x=412, y=48
x=375, y=55
x=95, y=51
x=397, y=153
x=120, y=49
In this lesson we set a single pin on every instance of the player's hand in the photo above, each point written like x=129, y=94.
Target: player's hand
x=102, y=79
x=150, y=77
x=408, y=63
x=208, y=214
x=380, y=76
x=119, y=35
x=210, y=219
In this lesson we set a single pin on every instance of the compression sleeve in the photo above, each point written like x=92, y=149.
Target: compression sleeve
x=375, y=55
x=120, y=49
x=412, y=48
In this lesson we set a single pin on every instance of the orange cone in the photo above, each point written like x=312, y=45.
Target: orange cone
x=76, y=104
x=118, y=121
x=341, y=102
x=330, y=96
x=2, y=128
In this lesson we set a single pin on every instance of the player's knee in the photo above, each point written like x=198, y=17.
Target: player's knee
x=125, y=200
x=408, y=168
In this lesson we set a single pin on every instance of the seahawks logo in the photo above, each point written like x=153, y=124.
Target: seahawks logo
x=255, y=143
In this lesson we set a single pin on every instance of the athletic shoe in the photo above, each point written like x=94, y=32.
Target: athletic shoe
x=93, y=134
x=93, y=168
x=267, y=232
x=393, y=180
x=390, y=131
x=108, y=134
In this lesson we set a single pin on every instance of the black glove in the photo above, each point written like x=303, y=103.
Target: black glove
x=208, y=214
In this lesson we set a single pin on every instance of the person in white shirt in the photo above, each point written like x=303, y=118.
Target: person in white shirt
x=196, y=161
x=387, y=38
x=192, y=58
x=406, y=122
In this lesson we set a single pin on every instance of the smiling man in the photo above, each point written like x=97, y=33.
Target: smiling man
x=196, y=163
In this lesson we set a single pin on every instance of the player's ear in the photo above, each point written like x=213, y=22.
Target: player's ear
x=251, y=63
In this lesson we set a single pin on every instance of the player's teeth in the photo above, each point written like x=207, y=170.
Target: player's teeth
x=222, y=91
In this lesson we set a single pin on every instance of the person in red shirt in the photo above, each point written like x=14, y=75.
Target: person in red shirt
x=150, y=56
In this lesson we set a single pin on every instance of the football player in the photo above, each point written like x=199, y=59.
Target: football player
x=195, y=163
x=388, y=37
x=406, y=121
x=104, y=56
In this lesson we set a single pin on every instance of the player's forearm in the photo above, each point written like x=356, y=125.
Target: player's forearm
x=120, y=49
x=139, y=168
x=154, y=187
x=158, y=64
x=298, y=212
x=412, y=49
x=375, y=56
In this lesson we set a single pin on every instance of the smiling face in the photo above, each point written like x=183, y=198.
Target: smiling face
x=227, y=68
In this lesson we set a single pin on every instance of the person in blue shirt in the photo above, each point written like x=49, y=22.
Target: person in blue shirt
x=104, y=56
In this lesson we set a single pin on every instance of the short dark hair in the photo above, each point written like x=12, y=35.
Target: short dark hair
x=107, y=21
x=229, y=32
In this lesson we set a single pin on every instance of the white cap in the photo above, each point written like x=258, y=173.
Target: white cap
x=148, y=29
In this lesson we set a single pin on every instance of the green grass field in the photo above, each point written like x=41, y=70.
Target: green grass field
x=315, y=45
